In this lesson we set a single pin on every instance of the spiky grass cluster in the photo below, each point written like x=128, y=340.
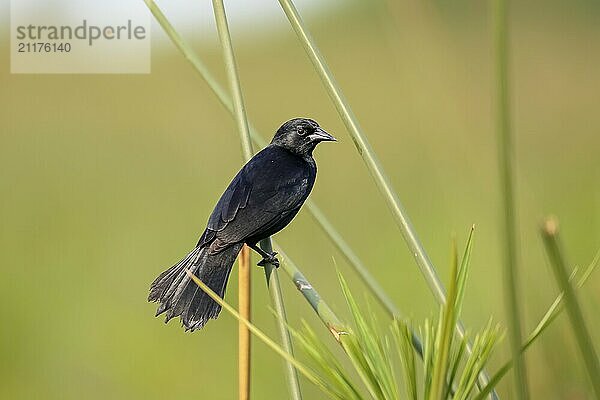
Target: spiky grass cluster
x=384, y=359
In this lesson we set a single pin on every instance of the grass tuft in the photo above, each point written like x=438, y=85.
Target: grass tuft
x=448, y=371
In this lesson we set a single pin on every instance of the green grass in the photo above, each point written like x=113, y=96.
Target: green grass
x=448, y=371
x=508, y=172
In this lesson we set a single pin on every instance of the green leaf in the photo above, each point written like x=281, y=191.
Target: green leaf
x=403, y=337
x=445, y=333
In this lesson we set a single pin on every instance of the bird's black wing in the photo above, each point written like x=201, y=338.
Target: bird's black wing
x=270, y=187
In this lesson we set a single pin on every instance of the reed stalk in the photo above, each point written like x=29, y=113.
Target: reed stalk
x=507, y=189
x=584, y=340
x=244, y=349
x=242, y=123
x=274, y=285
x=245, y=301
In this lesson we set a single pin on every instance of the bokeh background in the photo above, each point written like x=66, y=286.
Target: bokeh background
x=106, y=180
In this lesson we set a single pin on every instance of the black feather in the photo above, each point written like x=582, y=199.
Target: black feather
x=264, y=197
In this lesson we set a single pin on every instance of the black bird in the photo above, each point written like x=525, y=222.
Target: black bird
x=264, y=196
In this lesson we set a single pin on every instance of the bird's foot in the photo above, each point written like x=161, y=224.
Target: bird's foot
x=269, y=259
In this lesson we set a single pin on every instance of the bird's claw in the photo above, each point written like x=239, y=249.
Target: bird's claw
x=271, y=259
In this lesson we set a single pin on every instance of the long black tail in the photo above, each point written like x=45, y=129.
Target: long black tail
x=180, y=296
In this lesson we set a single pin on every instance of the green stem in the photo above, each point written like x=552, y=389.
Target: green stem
x=373, y=165
x=507, y=186
x=187, y=52
x=241, y=120
x=239, y=109
x=274, y=285
x=578, y=324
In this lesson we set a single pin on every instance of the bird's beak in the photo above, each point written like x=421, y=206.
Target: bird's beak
x=320, y=135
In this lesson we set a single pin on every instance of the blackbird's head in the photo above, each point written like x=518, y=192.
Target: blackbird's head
x=301, y=136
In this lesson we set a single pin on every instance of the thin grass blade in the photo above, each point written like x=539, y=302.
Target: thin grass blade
x=445, y=332
x=507, y=187
x=578, y=323
x=402, y=335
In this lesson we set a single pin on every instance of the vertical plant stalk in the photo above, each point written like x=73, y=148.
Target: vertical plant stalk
x=346, y=250
x=233, y=77
x=373, y=165
x=584, y=339
x=242, y=122
x=277, y=301
x=239, y=109
x=507, y=189
x=244, y=264
x=244, y=349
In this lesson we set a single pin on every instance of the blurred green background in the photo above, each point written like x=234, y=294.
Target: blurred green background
x=107, y=180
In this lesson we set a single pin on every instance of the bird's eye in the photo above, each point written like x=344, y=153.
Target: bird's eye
x=301, y=130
